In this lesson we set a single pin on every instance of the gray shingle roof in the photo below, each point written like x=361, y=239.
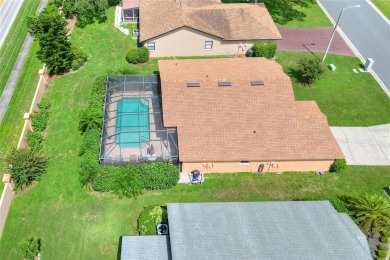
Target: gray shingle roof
x=145, y=248
x=263, y=230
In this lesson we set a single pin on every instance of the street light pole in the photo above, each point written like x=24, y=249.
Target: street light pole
x=334, y=30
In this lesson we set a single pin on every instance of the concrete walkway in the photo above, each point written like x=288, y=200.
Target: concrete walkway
x=312, y=39
x=17, y=69
x=364, y=145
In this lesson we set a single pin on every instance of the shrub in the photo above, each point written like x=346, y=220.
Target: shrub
x=382, y=253
x=90, y=142
x=90, y=119
x=39, y=120
x=384, y=239
x=383, y=247
x=272, y=46
x=149, y=218
x=79, y=58
x=106, y=178
x=338, y=166
x=27, y=166
x=338, y=203
x=29, y=248
x=158, y=175
x=137, y=55
x=34, y=141
x=128, y=184
x=310, y=70
x=260, y=49
x=264, y=49
x=89, y=167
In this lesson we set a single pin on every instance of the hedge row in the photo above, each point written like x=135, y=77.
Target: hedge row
x=263, y=49
x=153, y=176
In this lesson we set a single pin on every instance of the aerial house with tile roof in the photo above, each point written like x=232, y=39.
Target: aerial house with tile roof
x=215, y=115
x=240, y=115
x=203, y=27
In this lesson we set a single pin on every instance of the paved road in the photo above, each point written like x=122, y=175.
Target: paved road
x=368, y=32
x=8, y=12
x=313, y=40
x=13, y=78
x=364, y=145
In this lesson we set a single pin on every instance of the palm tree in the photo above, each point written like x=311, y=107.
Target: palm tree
x=371, y=213
x=90, y=120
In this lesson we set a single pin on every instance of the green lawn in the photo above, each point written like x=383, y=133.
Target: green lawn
x=14, y=41
x=384, y=6
x=75, y=223
x=12, y=124
x=346, y=98
x=293, y=14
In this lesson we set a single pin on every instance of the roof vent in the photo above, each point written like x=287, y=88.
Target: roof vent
x=162, y=229
x=193, y=85
x=257, y=83
x=224, y=84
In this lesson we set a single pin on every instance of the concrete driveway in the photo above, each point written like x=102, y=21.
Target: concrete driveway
x=364, y=145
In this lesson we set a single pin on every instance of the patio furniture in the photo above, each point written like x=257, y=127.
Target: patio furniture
x=196, y=177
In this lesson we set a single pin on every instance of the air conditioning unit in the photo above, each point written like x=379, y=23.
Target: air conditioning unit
x=162, y=229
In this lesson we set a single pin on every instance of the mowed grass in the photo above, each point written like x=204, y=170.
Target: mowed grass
x=12, y=124
x=314, y=17
x=384, y=6
x=301, y=14
x=346, y=98
x=13, y=43
x=75, y=223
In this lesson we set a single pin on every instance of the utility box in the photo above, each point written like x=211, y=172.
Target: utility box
x=332, y=67
x=368, y=64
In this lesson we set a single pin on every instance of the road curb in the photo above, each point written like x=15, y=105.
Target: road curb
x=378, y=11
x=353, y=48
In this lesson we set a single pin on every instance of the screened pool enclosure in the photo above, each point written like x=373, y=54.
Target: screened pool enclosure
x=133, y=129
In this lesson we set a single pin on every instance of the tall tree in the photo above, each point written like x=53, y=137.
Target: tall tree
x=371, y=213
x=50, y=28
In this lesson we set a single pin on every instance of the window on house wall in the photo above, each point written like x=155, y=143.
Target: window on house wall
x=151, y=46
x=244, y=163
x=208, y=45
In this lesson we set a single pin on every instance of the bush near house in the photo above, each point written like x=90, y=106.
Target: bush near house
x=137, y=55
x=149, y=218
x=338, y=165
x=158, y=176
x=264, y=49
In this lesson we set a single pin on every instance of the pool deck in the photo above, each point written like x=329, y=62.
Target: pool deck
x=162, y=146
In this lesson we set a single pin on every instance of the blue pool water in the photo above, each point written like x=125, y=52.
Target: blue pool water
x=132, y=115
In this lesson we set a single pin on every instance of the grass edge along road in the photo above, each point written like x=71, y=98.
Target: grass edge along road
x=13, y=43
x=383, y=6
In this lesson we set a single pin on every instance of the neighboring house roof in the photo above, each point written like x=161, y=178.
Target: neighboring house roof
x=145, y=248
x=241, y=122
x=226, y=21
x=253, y=230
x=263, y=230
x=130, y=4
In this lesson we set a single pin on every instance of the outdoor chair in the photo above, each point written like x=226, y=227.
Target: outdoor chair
x=199, y=179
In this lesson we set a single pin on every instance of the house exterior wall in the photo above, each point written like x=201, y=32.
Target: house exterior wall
x=189, y=42
x=274, y=166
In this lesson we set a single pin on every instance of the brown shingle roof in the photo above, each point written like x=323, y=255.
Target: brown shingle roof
x=241, y=122
x=226, y=21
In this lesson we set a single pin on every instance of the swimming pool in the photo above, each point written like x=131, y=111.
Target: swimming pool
x=132, y=115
